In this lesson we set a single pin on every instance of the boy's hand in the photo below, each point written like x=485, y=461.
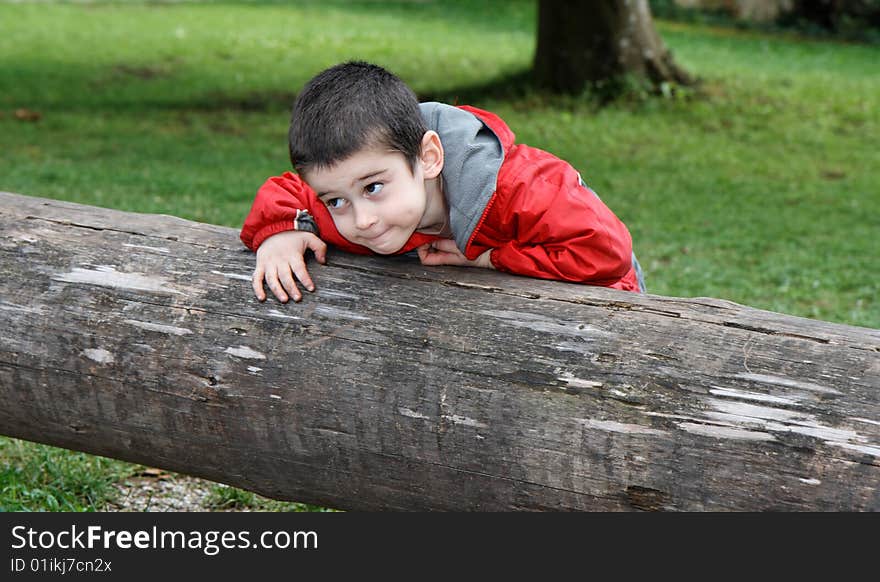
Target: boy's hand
x=280, y=257
x=445, y=252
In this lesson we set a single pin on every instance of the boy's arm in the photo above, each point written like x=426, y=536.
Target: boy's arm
x=286, y=203
x=285, y=221
x=282, y=203
x=561, y=229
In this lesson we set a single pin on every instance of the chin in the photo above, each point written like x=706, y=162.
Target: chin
x=387, y=244
x=388, y=248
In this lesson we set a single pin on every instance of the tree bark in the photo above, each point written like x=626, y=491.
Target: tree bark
x=591, y=43
x=401, y=387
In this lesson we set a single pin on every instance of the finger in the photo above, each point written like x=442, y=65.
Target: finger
x=430, y=260
x=275, y=285
x=446, y=245
x=257, y=284
x=427, y=255
x=438, y=258
x=299, y=269
x=286, y=278
x=319, y=247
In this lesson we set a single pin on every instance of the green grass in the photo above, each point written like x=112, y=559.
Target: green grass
x=762, y=188
x=225, y=498
x=36, y=477
x=41, y=478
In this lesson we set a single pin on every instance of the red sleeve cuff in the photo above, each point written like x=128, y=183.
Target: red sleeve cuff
x=269, y=230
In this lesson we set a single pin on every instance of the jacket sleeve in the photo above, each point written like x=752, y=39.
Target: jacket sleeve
x=287, y=203
x=558, y=228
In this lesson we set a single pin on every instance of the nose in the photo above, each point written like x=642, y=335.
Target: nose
x=364, y=219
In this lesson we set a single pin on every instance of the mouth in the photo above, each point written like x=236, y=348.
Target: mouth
x=376, y=236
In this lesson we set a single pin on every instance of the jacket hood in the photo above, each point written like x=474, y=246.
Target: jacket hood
x=473, y=153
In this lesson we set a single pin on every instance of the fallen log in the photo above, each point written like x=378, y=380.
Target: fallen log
x=401, y=387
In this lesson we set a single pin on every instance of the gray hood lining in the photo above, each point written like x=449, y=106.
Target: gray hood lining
x=472, y=158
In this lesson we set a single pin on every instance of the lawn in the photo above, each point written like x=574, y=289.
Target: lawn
x=762, y=188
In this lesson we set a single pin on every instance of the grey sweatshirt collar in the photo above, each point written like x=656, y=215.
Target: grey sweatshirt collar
x=472, y=158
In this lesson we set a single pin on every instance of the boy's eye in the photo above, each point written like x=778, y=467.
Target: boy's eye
x=374, y=188
x=335, y=202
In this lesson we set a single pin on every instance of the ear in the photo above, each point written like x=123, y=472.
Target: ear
x=431, y=156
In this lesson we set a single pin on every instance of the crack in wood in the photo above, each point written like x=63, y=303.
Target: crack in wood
x=173, y=238
x=768, y=331
x=615, y=305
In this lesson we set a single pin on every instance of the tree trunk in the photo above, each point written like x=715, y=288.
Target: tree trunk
x=587, y=44
x=396, y=386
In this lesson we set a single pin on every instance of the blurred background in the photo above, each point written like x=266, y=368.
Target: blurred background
x=750, y=173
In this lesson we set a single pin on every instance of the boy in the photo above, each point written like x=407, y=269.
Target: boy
x=378, y=172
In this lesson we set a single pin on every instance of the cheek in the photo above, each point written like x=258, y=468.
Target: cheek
x=343, y=225
x=404, y=212
x=416, y=206
x=414, y=213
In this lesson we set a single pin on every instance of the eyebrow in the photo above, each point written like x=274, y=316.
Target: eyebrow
x=371, y=175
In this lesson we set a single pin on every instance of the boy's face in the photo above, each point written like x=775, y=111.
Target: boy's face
x=375, y=198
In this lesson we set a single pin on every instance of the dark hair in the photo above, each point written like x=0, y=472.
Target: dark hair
x=351, y=106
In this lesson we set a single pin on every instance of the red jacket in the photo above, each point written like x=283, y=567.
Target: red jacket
x=528, y=206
